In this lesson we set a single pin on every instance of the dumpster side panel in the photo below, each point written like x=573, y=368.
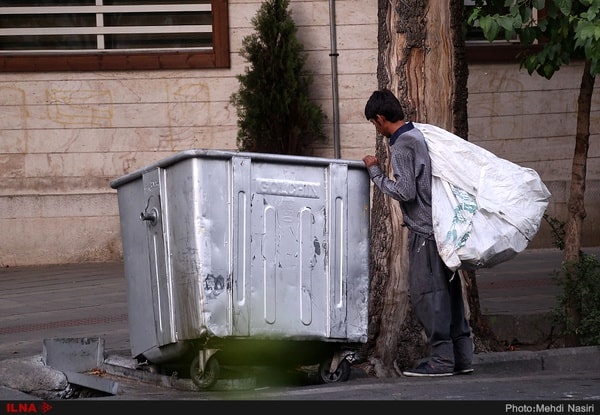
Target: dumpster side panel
x=337, y=179
x=156, y=220
x=199, y=245
x=358, y=234
x=289, y=267
x=241, y=172
x=136, y=262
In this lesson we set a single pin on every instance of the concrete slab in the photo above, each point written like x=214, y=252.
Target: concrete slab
x=74, y=354
x=93, y=382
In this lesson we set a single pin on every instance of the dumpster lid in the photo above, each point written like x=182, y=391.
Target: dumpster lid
x=228, y=154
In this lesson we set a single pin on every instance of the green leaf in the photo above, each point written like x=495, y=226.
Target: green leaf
x=595, y=67
x=548, y=70
x=526, y=14
x=592, y=12
x=509, y=22
x=527, y=36
x=473, y=16
x=564, y=6
x=586, y=29
x=490, y=27
x=530, y=64
x=586, y=32
x=586, y=2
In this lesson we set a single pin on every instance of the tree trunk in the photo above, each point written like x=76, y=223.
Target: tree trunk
x=423, y=63
x=575, y=204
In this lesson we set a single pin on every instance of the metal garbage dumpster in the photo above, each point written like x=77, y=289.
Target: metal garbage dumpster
x=236, y=258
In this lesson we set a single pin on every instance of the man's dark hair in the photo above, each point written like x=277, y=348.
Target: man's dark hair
x=384, y=103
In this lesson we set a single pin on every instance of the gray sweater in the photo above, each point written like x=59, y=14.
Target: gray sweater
x=411, y=185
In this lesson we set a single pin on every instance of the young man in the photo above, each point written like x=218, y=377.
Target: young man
x=435, y=292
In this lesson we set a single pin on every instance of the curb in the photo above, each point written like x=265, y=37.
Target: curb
x=532, y=328
x=569, y=359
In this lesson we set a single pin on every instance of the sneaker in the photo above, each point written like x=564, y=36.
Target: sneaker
x=426, y=370
x=462, y=370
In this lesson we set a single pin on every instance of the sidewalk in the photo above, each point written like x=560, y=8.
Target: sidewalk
x=518, y=297
x=75, y=300
x=90, y=300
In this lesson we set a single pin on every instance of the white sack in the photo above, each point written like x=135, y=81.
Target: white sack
x=485, y=209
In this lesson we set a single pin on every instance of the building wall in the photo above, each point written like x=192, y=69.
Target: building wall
x=65, y=136
x=531, y=121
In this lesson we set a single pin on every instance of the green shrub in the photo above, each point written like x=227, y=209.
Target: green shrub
x=580, y=282
x=275, y=113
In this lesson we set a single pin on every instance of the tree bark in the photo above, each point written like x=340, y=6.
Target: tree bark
x=391, y=324
x=575, y=204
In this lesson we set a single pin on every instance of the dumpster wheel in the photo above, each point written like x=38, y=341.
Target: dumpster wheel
x=340, y=374
x=207, y=378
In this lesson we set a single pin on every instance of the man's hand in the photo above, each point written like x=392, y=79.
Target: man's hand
x=370, y=161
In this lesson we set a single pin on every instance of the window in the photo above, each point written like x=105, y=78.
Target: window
x=479, y=49
x=474, y=34
x=113, y=34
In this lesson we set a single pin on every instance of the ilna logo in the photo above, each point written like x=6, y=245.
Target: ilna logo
x=27, y=408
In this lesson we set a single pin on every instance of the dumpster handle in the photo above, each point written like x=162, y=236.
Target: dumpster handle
x=151, y=216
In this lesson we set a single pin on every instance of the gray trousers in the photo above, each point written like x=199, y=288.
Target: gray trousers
x=436, y=299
